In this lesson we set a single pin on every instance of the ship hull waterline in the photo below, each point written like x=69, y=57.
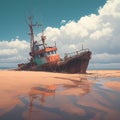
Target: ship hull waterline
x=74, y=64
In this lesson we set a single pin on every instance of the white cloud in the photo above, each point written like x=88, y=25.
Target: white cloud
x=106, y=58
x=63, y=21
x=72, y=46
x=13, y=52
x=8, y=52
x=111, y=8
x=100, y=33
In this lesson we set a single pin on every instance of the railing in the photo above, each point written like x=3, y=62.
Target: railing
x=73, y=54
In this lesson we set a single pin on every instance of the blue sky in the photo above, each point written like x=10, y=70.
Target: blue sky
x=71, y=23
x=14, y=13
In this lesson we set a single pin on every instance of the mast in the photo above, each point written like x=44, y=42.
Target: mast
x=43, y=37
x=32, y=42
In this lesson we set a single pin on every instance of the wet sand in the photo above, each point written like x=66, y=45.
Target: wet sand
x=104, y=73
x=15, y=84
x=107, y=74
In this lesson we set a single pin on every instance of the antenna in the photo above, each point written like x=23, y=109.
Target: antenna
x=31, y=25
x=43, y=37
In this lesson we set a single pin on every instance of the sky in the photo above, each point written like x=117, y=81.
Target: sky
x=71, y=23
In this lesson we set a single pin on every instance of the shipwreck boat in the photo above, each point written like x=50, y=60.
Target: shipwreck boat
x=46, y=58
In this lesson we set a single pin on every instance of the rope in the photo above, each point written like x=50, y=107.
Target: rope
x=94, y=68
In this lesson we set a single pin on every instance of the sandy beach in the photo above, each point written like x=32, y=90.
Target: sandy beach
x=14, y=84
x=107, y=74
x=104, y=73
x=17, y=83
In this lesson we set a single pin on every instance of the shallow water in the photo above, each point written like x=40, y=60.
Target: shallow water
x=81, y=100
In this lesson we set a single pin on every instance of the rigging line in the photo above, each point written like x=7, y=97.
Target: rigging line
x=94, y=68
x=80, y=77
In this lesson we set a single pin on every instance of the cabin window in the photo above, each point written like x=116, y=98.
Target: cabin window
x=52, y=52
x=48, y=53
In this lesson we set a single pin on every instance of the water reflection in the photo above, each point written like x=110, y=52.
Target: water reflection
x=57, y=101
x=42, y=92
x=79, y=87
x=79, y=99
